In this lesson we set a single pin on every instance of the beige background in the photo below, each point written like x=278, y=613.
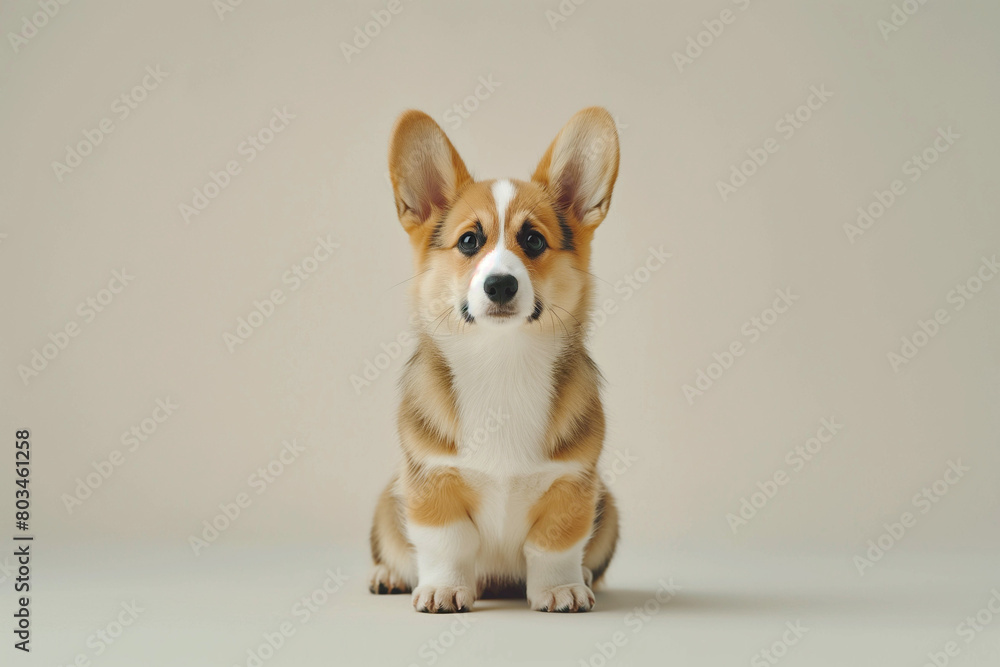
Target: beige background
x=324, y=175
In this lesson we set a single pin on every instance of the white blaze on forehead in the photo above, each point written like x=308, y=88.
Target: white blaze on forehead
x=503, y=193
x=500, y=261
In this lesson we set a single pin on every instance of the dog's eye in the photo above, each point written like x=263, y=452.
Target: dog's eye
x=468, y=244
x=534, y=244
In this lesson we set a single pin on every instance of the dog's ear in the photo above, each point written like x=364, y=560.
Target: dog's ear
x=425, y=168
x=581, y=165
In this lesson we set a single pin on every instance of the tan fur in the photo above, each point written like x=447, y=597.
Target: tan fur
x=422, y=428
x=437, y=497
x=391, y=553
x=601, y=546
x=437, y=202
x=564, y=515
x=576, y=428
x=419, y=149
x=590, y=132
x=394, y=555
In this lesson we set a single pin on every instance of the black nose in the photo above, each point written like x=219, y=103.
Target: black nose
x=500, y=289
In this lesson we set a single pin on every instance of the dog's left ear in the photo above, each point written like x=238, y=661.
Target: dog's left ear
x=581, y=165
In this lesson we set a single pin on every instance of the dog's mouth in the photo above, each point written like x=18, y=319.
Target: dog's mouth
x=501, y=313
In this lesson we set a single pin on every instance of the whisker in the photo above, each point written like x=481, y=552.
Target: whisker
x=568, y=313
x=407, y=280
x=560, y=322
x=594, y=276
x=551, y=319
x=442, y=318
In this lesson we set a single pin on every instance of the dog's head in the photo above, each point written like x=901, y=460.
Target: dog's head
x=505, y=253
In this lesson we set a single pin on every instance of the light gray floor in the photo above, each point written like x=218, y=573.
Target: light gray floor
x=212, y=609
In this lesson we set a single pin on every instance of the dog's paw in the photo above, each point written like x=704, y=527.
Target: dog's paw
x=568, y=597
x=383, y=580
x=443, y=599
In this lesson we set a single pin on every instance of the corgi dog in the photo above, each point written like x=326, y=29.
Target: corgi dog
x=500, y=422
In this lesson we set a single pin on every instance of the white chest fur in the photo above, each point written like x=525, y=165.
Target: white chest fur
x=503, y=383
x=503, y=389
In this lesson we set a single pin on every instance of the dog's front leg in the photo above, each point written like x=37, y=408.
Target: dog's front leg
x=446, y=566
x=562, y=521
x=446, y=543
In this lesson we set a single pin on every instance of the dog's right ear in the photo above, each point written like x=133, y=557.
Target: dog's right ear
x=425, y=168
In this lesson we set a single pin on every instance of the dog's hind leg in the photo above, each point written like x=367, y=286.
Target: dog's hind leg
x=601, y=547
x=395, y=569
